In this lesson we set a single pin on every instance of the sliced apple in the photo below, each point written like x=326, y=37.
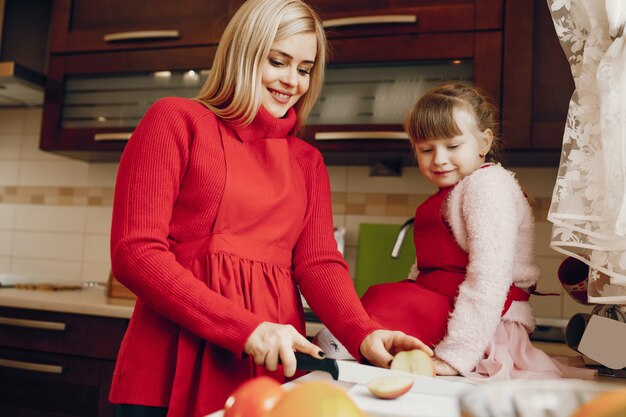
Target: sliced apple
x=413, y=361
x=390, y=387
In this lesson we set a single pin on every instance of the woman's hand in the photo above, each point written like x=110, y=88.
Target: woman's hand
x=379, y=346
x=271, y=344
x=443, y=368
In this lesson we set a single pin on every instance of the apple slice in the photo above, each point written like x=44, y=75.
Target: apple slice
x=413, y=361
x=390, y=387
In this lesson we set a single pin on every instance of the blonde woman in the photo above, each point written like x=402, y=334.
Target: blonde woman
x=221, y=217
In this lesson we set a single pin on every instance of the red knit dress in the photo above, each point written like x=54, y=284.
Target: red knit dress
x=216, y=227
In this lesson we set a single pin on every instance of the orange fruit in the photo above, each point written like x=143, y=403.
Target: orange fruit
x=606, y=404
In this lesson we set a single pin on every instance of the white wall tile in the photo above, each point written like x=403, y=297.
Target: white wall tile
x=50, y=270
x=571, y=307
x=12, y=121
x=411, y=182
x=96, y=271
x=97, y=248
x=48, y=246
x=538, y=182
x=5, y=264
x=30, y=150
x=66, y=173
x=338, y=178
x=543, y=236
x=549, y=280
x=32, y=120
x=99, y=220
x=10, y=147
x=9, y=172
x=51, y=218
x=102, y=175
x=6, y=242
x=7, y=216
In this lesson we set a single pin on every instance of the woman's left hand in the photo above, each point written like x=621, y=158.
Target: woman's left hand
x=379, y=346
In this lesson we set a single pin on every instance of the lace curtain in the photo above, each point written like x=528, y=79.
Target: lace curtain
x=588, y=209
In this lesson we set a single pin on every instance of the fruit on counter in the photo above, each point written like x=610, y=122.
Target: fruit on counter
x=606, y=404
x=254, y=398
x=413, y=361
x=315, y=399
x=390, y=387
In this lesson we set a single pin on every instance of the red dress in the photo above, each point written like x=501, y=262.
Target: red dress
x=247, y=258
x=421, y=308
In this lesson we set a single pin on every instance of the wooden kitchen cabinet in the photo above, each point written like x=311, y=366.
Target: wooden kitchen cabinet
x=437, y=32
x=57, y=364
x=106, y=25
x=537, y=81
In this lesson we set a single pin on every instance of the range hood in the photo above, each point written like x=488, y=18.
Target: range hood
x=20, y=86
x=24, y=28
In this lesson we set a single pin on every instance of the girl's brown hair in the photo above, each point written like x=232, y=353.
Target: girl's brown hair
x=432, y=117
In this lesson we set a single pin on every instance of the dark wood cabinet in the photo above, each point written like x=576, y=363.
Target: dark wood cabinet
x=57, y=364
x=362, y=34
x=106, y=25
x=537, y=81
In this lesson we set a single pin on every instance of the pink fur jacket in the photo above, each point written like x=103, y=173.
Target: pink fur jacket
x=492, y=221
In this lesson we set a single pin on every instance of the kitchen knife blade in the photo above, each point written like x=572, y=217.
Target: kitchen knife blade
x=354, y=372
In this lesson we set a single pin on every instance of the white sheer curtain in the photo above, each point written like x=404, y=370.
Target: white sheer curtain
x=588, y=209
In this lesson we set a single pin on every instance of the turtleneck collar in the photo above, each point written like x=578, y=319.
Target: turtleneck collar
x=264, y=126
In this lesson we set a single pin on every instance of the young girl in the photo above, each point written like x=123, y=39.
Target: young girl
x=221, y=217
x=474, y=245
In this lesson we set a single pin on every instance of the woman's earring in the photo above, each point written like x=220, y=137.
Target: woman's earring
x=481, y=155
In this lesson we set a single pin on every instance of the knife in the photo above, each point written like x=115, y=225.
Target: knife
x=354, y=372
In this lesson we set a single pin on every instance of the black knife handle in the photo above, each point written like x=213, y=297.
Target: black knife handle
x=309, y=363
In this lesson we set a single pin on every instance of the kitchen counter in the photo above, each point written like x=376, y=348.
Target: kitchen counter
x=89, y=301
x=409, y=405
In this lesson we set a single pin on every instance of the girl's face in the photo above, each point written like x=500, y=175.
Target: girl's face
x=287, y=72
x=445, y=162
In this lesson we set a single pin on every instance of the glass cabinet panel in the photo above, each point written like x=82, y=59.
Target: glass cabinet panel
x=352, y=95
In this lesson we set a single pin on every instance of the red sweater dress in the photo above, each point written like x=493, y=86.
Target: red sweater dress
x=216, y=227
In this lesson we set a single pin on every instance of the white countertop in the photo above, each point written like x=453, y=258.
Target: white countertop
x=89, y=301
x=409, y=405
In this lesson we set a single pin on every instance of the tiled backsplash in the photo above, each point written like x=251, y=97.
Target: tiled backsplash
x=55, y=212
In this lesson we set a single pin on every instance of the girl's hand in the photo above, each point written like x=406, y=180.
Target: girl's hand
x=271, y=344
x=443, y=368
x=379, y=346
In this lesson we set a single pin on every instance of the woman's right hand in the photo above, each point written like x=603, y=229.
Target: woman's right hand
x=271, y=344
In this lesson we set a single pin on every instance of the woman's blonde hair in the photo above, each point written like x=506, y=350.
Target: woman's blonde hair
x=233, y=89
x=432, y=117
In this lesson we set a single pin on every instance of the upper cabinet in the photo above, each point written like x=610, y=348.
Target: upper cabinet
x=537, y=83
x=110, y=59
x=106, y=25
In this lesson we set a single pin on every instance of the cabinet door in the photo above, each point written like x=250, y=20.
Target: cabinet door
x=98, y=25
x=94, y=101
x=537, y=81
x=41, y=384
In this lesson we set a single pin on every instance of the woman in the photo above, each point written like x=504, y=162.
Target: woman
x=221, y=216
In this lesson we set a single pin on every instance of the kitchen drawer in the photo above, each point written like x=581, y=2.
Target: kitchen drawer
x=74, y=334
x=42, y=384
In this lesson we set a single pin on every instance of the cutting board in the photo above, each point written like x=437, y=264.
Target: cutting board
x=374, y=264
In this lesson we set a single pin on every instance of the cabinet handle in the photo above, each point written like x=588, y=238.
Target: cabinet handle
x=112, y=136
x=31, y=366
x=33, y=324
x=141, y=34
x=370, y=20
x=360, y=135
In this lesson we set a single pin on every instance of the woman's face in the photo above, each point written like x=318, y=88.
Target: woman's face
x=287, y=72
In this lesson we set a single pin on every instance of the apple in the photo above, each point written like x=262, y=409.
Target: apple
x=389, y=387
x=253, y=398
x=413, y=361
